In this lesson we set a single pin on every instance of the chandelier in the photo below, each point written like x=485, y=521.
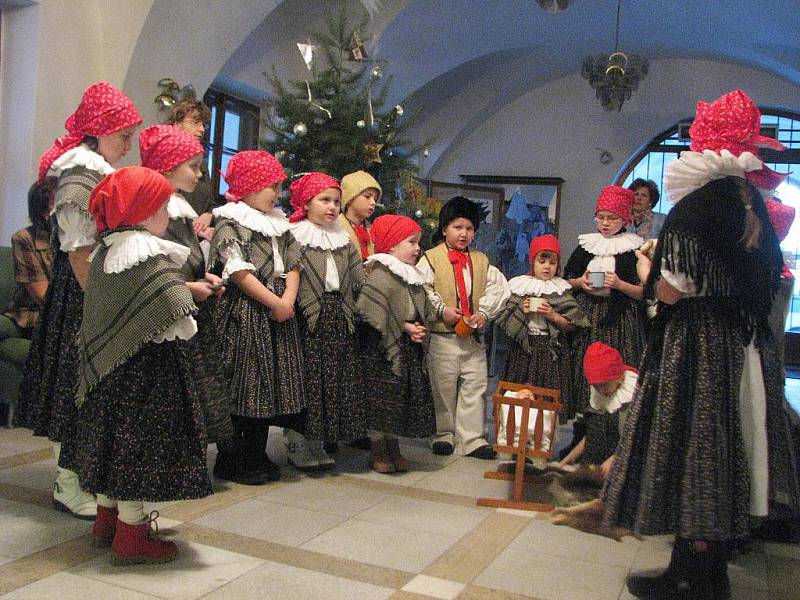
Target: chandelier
x=616, y=75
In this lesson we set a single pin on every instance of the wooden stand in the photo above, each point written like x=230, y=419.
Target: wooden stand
x=544, y=399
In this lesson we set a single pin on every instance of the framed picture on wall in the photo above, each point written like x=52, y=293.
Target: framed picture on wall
x=490, y=197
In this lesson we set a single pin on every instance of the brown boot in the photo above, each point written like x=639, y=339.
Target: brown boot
x=393, y=447
x=381, y=462
x=136, y=544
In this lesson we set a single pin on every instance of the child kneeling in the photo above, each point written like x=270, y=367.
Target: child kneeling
x=140, y=424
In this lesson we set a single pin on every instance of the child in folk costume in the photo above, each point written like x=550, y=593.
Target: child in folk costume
x=612, y=384
x=535, y=318
x=331, y=277
x=613, y=301
x=253, y=249
x=360, y=193
x=706, y=445
x=462, y=286
x=99, y=135
x=140, y=425
x=395, y=306
x=177, y=155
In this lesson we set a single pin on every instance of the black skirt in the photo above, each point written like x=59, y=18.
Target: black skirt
x=262, y=358
x=140, y=431
x=626, y=335
x=204, y=351
x=400, y=405
x=681, y=465
x=50, y=379
x=334, y=387
x=545, y=366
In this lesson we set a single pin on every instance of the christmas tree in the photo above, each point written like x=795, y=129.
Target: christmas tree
x=335, y=120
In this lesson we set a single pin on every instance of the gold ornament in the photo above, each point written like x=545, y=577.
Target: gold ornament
x=372, y=152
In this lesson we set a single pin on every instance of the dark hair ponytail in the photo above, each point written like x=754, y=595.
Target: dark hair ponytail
x=751, y=236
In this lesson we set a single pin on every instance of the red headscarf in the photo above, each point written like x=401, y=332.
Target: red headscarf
x=733, y=123
x=616, y=199
x=103, y=110
x=164, y=147
x=251, y=171
x=128, y=196
x=602, y=363
x=305, y=188
x=544, y=242
x=389, y=230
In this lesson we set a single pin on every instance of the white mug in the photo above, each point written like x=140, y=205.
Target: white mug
x=597, y=279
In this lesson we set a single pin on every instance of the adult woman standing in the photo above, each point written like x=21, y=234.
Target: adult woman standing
x=707, y=445
x=99, y=135
x=646, y=223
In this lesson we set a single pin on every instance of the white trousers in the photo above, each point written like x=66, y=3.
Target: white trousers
x=458, y=373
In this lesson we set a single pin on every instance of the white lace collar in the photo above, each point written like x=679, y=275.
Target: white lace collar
x=128, y=248
x=596, y=244
x=525, y=285
x=622, y=396
x=330, y=237
x=404, y=271
x=692, y=170
x=179, y=208
x=271, y=224
x=80, y=156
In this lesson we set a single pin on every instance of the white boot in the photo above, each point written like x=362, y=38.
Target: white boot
x=298, y=451
x=68, y=496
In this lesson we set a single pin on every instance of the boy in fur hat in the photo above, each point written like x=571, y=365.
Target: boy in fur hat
x=466, y=292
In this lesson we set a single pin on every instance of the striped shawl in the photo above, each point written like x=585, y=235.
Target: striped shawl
x=256, y=248
x=180, y=230
x=514, y=322
x=383, y=303
x=74, y=187
x=312, y=282
x=123, y=311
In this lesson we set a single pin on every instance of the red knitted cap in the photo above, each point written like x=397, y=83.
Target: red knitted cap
x=164, y=147
x=389, y=230
x=547, y=242
x=602, y=363
x=616, y=199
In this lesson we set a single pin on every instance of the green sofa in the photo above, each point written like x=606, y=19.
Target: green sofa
x=13, y=349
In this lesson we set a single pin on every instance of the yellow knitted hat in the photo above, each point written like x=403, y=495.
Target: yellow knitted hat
x=355, y=183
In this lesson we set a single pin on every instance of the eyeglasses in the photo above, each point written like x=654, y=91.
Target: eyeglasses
x=608, y=219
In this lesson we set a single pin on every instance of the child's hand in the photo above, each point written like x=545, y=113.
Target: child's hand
x=586, y=284
x=282, y=311
x=605, y=468
x=546, y=311
x=200, y=290
x=643, y=265
x=526, y=306
x=216, y=284
x=202, y=223
x=206, y=234
x=415, y=331
x=611, y=280
x=450, y=315
x=477, y=321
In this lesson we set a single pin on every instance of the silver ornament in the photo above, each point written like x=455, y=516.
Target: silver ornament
x=300, y=129
x=426, y=152
x=398, y=109
x=418, y=214
x=377, y=72
x=280, y=154
x=361, y=124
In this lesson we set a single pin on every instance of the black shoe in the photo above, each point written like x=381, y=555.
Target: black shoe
x=230, y=467
x=361, y=443
x=442, y=448
x=484, y=453
x=267, y=469
x=657, y=586
x=333, y=447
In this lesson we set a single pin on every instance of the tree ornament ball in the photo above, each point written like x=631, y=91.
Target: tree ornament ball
x=418, y=213
x=280, y=154
x=377, y=72
x=426, y=152
x=398, y=109
x=361, y=124
x=300, y=129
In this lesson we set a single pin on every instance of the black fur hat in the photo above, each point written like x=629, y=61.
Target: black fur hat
x=455, y=208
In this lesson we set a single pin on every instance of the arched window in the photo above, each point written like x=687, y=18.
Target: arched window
x=651, y=161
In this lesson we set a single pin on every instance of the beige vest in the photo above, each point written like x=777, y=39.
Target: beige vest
x=444, y=282
x=353, y=237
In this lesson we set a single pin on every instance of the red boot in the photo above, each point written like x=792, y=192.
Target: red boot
x=136, y=544
x=105, y=526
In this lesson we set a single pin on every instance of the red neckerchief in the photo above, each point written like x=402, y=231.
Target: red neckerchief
x=460, y=259
x=362, y=233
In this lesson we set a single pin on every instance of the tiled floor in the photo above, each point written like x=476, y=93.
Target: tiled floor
x=351, y=534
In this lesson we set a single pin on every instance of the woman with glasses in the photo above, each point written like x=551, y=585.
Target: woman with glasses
x=602, y=273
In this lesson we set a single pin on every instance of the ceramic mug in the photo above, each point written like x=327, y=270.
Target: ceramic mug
x=597, y=279
x=534, y=303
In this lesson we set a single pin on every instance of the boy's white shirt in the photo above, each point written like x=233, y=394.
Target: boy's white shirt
x=490, y=304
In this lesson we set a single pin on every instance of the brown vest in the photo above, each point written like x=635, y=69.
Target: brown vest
x=444, y=282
